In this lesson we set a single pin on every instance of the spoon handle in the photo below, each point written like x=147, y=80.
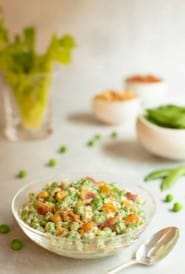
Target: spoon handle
x=120, y=267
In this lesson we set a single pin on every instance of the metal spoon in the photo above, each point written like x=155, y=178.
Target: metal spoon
x=154, y=250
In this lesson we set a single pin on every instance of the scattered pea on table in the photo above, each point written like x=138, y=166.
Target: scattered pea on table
x=63, y=149
x=97, y=137
x=4, y=228
x=16, y=244
x=177, y=207
x=22, y=174
x=169, y=198
x=52, y=163
x=114, y=134
x=90, y=143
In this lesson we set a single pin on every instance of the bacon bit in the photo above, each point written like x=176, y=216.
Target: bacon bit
x=43, y=208
x=109, y=207
x=60, y=195
x=132, y=219
x=105, y=189
x=63, y=184
x=87, y=195
x=43, y=195
x=62, y=232
x=86, y=227
x=56, y=218
x=108, y=223
x=100, y=183
x=131, y=196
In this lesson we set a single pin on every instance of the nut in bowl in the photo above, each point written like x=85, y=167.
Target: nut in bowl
x=161, y=131
x=95, y=218
x=150, y=89
x=113, y=107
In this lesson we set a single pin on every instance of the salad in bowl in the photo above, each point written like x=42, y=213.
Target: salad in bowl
x=83, y=217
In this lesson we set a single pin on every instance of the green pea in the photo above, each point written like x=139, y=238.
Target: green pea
x=169, y=198
x=4, y=229
x=97, y=137
x=22, y=174
x=114, y=134
x=52, y=163
x=90, y=143
x=16, y=244
x=63, y=149
x=177, y=207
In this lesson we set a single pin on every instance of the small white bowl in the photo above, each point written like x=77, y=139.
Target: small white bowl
x=164, y=142
x=116, y=112
x=150, y=93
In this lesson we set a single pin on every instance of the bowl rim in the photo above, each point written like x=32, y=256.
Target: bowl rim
x=21, y=223
x=154, y=126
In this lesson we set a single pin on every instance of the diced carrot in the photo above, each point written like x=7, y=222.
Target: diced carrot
x=61, y=232
x=105, y=189
x=109, y=207
x=43, y=195
x=86, y=227
x=56, y=218
x=132, y=219
x=60, y=195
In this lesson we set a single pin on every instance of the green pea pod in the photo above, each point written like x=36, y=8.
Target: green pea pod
x=158, y=174
x=173, y=176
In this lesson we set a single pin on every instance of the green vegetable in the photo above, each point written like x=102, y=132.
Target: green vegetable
x=4, y=229
x=90, y=143
x=158, y=174
x=63, y=149
x=169, y=116
x=169, y=198
x=52, y=163
x=171, y=179
x=22, y=174
x=16, y=244
x=177, y=207
x=114, y=134
x=97, y=137
x=28, y=73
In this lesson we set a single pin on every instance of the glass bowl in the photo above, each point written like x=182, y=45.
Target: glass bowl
x=78, y=248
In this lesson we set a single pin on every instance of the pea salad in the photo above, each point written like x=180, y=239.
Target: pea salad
x=83, y=209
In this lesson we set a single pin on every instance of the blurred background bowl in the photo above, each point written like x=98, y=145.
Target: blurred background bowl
x=164, y=142
x=116, y=112
x=151, y=93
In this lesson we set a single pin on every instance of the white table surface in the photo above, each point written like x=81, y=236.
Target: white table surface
x=74, y=125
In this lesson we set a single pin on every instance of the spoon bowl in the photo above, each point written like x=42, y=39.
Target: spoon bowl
x=158, y=246
x=154, y=250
